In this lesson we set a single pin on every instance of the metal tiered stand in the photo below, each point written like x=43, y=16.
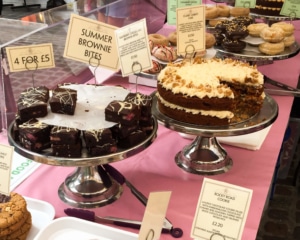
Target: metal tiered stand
x=90, y=185
x=205, y=155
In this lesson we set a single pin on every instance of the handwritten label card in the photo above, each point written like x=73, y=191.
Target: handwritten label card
x=6, y=154
x=291, y=8
x=172, y=5
x=32, y=57
x=91, y=42
x=133, y=48
x=190, y=30
x=245, y=3
x=154, y=215
x=221, y=211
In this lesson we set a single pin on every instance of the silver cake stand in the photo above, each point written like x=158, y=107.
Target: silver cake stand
x=204, y=155
x=90, y=185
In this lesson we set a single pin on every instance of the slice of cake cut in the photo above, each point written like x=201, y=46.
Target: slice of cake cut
x=210, y=92
x=63, y=101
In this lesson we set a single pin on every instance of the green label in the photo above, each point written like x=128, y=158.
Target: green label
x=291, y=8
x=245, y=3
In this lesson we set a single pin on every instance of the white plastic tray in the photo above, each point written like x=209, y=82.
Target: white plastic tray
x=70, y=228
x=42, y=214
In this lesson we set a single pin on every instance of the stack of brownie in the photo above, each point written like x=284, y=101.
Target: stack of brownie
x=65, y=142
x=128, y=115
x=34, y=135
x=32, y=103
x=63, y=100
x=99, y=142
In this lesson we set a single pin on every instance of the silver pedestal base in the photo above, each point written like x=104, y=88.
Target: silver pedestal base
x=88, y=187
x=204, y=156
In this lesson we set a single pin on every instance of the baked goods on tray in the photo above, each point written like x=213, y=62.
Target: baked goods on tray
x=210, y=91
x=106, y=119
x=15, y=219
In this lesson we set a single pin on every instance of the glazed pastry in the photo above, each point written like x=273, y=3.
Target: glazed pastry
x=209, y=40
x=288, y=28
x=158, y=39
x=255, y=29
x=272, y=34
x=239, y=11
x=164, y=53
x=221, y=26
x=211, y=12
x=271, y=48
x=224, y=10
x=219, y=38
x=172, y=37
x=234, y=46
x=157, y=67
x=244, y=20
x=289, y=41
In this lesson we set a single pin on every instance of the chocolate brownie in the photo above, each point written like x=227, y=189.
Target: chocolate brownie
x=132, y=139
x=98, y=137
x=32, y=103
x=122, y=112
x=63, y=101
x=34, y=135
x=102, y=150
x=122, y=131
x=67, y=150
x=143, y=101
x=64, y=135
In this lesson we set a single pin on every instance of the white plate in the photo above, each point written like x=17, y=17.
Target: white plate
x=255, y=41
x=42, y=214
x=70, y=228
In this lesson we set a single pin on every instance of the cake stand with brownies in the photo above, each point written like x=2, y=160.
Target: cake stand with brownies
x=83, y=126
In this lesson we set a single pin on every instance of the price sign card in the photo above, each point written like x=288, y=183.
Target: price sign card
x=32, y=57
x=245, y=3
x=133, y=48
x=172, y=5
x=221, y=211
x=154, y=215
x=6, y=154
x=190, y=30
x=291, y=8
x=91, y=42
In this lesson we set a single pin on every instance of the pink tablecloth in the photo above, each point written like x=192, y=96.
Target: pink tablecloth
x=155, y=170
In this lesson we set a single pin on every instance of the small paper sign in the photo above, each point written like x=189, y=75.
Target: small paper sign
x=6, y=154
x=172, y=5
x=154, y=215
x=133, y=48
x=291, y=8
x=221, y=211
x=245, y=3
x=190, y=30
x=32, y=57
x=91, y=42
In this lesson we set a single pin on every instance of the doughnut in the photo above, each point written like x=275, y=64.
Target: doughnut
x=224, y=11
x=157, y=67
x=158, y=39
x=172, y=37
x=219, y=38
x=288, y=28
x=239, y=11
x=236, y=31
x=235, y=46
x=151, y=45
x=255, y=29
x=289, y=40
x=221, y=26
x=164, y=53
x=214, y=22
x=271, y=48
x=209, y=40
x=211, y=12
x=200, y=53
x=272, y=34
x=245, y=20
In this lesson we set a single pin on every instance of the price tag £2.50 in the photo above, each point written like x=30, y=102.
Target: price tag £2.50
x=32, y=57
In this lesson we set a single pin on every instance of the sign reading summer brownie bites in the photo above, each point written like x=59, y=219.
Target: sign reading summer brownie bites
x=91, y=42
x=245, y=3
x=133, y=48
x=190, y=30
x=291, y=8
x=32, y=57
